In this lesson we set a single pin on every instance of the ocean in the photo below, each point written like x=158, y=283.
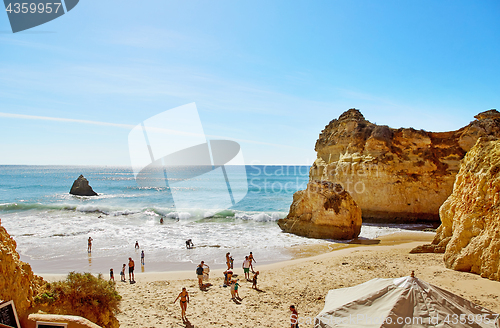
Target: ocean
x=51, y=227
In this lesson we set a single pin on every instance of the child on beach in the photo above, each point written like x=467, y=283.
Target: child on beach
x=294, y=317
x=184, y=296
x=111, y=275
x=233, y=294
x=122, y=273
x=236, y=286
x=142, y=257
x=229, y=276
x=254, y=280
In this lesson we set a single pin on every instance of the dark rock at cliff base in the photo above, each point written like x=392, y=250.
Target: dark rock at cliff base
x=81, y=187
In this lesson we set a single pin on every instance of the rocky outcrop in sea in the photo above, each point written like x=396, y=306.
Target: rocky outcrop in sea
x=323, y=210
x=81, y=187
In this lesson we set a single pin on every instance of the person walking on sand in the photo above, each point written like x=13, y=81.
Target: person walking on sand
x=254, y=280
x=111, y=275
x=246, y=268
x=184, y=296
x=250, y=257
x=136, y=245
x=122, y=273
x=131, y=265
x=142, y=257
x=294, y=317
x=89, y=245
x=233, y=295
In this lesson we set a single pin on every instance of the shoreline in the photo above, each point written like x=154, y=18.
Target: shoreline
x=299, y=253
x=303, y=281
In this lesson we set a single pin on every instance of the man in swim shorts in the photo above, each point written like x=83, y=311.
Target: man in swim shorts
x=246, y=268
x=131, y=270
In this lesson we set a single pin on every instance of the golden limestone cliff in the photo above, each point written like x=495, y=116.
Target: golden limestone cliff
x=395, y=175
x=470, y=228
x=81, y=294
x=323, y=210
x=17, y=283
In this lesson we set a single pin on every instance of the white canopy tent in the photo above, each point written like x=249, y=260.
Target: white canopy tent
x=401, y=302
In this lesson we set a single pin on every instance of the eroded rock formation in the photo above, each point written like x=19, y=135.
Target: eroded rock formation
x=323, y=210
x=395, y=175
x=17, y=282
x=470, y=228
x=81, y=187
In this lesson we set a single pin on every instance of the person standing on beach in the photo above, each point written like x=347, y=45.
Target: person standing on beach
x=246, y=268
x=236, y=286
x=228, y=260
x=89, y=245
x=184, y=296
x=142, y=257
x=111, y=275
x=199, y=274
x=250, y=257
x=233, y=295
x=254, y=280
x=294, y=317
x=122, y=273
x=131, y=270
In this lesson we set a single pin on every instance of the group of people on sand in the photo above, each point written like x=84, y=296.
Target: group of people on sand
x=202, y=271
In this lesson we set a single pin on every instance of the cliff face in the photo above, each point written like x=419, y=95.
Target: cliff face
x=17, y=283
x=395, y=174
x=470, y=228
x=323, y=210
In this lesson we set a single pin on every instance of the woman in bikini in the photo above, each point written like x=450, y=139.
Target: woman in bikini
x=228, y=261
x=184, y=296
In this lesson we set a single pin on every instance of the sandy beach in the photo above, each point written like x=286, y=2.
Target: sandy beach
x=303, y=281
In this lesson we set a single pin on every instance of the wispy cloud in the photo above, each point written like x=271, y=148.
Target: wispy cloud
x=60, y=119
x=130, y=126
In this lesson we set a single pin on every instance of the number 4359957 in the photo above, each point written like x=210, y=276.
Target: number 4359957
x=32, y=8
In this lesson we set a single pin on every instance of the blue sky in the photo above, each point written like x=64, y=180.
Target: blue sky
x=270, y=74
